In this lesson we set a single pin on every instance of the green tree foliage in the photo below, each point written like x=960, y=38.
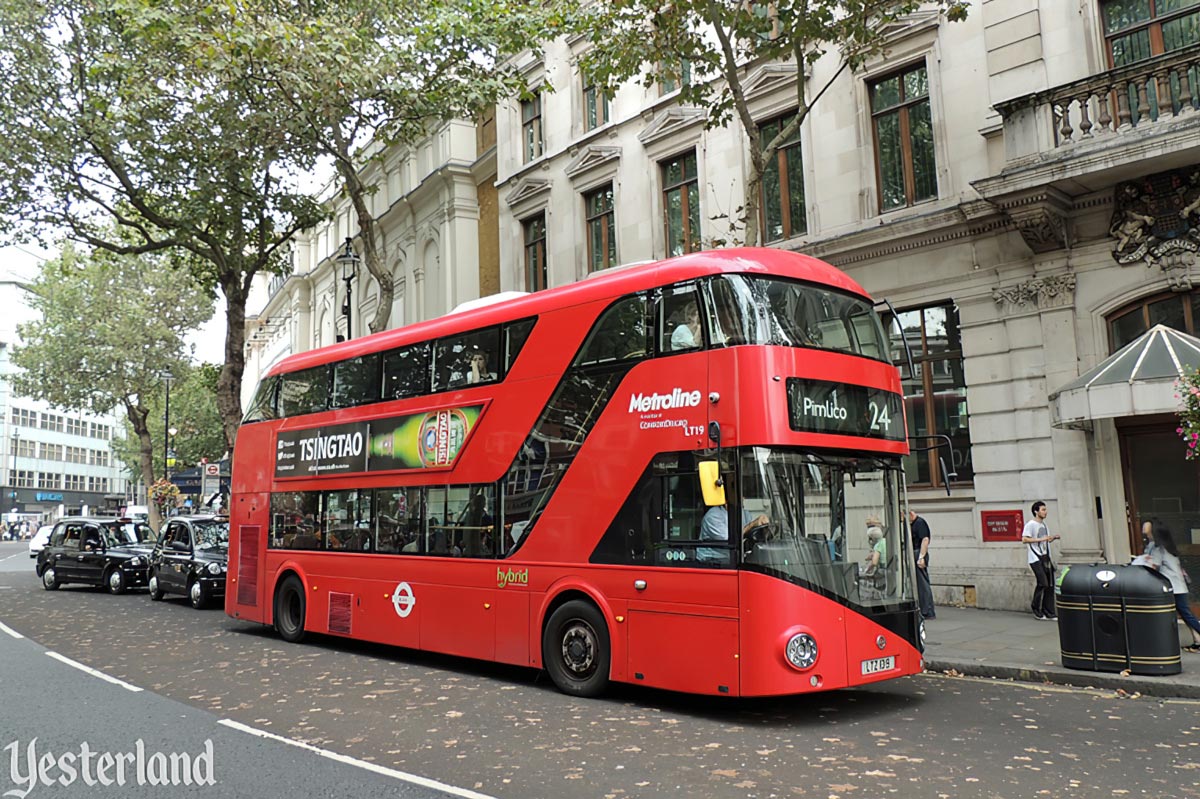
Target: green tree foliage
x=109, y=324
x=364, y=75
x=116, y=136
x=708, y=47
x=194, y=416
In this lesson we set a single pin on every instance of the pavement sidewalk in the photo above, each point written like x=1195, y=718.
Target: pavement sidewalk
x=997, y=643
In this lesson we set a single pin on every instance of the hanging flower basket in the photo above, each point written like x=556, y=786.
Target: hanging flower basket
x=1187, y=389
x=164, y=494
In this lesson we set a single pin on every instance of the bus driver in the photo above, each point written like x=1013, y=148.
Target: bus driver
x=715, y=527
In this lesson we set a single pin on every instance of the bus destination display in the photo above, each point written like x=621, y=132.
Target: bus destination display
x=816, y=406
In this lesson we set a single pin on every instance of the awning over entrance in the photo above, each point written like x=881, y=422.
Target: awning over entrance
x=1137, y=380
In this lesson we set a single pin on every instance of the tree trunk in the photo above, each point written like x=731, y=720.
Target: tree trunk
x=357, y=192
x=229, y=383
x=137, y=419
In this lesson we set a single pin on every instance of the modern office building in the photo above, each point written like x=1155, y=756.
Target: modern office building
x=56, y=462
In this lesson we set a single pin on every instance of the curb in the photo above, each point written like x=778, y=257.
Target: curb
x=1146, y=686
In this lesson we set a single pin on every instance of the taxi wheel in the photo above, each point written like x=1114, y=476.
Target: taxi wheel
x=575, y=649
x=50, y=579
x=115, y=581
x=289, y=609
x=198, y=594
x=155, y=592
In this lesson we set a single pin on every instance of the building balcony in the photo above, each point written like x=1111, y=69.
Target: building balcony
x=1091, y=134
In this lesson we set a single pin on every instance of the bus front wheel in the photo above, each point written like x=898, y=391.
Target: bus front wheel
x=575, y=649
x=289, y=609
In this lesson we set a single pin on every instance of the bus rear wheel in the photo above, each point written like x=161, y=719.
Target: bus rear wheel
x=289, y=609
x=575, y=649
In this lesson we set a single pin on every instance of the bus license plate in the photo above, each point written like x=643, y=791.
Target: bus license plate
x=879, y=664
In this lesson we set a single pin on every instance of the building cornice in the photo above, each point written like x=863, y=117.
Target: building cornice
x=943, y=225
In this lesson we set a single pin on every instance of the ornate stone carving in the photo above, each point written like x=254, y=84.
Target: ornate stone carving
x=1043, y=227
x=1051, y=291
x=1156, y=221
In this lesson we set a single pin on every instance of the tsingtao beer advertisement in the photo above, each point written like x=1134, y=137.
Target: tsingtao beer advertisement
x=815, y=406
x=430, y=440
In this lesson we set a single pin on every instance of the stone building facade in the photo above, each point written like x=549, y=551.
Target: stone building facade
x=1022, y=187
x=435, y=208
x=971, y=177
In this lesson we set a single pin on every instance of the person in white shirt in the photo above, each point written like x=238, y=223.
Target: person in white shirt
x=1037, y=537
x=687, y=335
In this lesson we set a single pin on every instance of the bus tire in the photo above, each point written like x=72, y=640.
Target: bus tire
x=289, y=609
x=575, y=649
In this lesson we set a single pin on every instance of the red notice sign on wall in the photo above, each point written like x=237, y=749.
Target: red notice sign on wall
x=1002, y=525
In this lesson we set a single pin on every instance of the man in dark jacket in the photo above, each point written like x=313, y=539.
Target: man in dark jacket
x=919, y=529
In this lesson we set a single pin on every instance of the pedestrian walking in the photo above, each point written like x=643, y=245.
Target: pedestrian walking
x=1037, y=537
x=919, y=529
x=1164, y=556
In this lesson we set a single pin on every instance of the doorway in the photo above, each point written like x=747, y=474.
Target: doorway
x=1162, y=487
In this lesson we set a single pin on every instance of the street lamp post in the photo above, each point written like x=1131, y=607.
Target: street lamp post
x=167, y=377
x=16, y=442
x=171, y=431
x=349, y=264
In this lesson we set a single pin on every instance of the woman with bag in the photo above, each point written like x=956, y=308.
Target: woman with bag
x=1037, y=537
x=1164, y=557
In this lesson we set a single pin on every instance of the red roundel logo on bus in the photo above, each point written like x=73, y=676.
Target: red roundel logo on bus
x=442, y=435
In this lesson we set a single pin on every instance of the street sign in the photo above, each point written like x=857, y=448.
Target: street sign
x=212, y=470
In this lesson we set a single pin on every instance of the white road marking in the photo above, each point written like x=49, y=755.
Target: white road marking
x=10, y=557
x=4, y=628
x=89, y=670
x=424, y=782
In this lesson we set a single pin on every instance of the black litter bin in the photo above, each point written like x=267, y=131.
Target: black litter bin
x=1113, y=618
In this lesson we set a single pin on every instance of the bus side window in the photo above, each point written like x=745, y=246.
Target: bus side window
x=679, y=321
x=619, y=335
x=727, y=322
x=304, y=392
x=515, y=336
x=631, y=535
x=406, y=371
x=262, y=407
x=466, y=360
x=356, y=381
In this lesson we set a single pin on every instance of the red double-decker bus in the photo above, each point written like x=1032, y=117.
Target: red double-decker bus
x=684, y=474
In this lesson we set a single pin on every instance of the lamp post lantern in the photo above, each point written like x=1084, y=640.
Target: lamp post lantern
x=171, y=431
x=348, y=261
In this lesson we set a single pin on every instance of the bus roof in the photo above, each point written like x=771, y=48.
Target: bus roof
x=608, y=283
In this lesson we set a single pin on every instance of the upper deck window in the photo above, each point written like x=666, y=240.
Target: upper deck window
x=619, y=335
x=303, y=392
x=754, y=310
x=466, y=359
x=356, y=381
x=263, y=407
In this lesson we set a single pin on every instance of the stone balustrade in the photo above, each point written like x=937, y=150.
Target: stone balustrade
x=1111, y=103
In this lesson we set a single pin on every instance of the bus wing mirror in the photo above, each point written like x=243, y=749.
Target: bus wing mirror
x=711, y=483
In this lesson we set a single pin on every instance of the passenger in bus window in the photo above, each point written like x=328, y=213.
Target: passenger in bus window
x=687, y=334
x=478, y=371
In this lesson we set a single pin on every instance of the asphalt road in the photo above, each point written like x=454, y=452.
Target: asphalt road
x=506, y=732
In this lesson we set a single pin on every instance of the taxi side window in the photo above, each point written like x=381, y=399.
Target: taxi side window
x=176, y=532
x=72, y=535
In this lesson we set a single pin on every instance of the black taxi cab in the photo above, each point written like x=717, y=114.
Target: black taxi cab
x=96, y=550
x=191, y=558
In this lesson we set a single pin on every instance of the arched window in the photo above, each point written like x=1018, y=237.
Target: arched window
x=1180, y=311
